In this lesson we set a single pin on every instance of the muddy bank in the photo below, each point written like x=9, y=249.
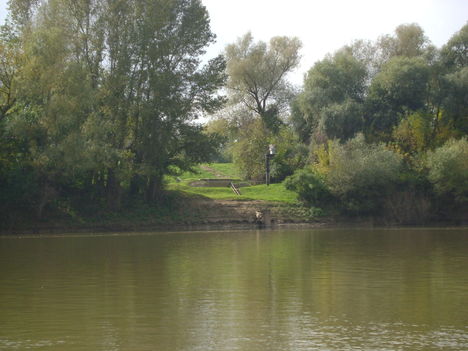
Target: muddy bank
x=202, y=214
x=189, y=214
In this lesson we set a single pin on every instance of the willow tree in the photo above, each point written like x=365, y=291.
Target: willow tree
x=257, y=75
x=330, y=105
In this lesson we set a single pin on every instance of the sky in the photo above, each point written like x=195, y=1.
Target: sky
x=324, y=26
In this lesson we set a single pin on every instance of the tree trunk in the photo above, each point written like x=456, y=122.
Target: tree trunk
x=48, y=193
x=136, y=184
x=113, y=191
x=154, y=192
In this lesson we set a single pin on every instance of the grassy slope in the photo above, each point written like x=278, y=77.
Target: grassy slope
x=274, y=192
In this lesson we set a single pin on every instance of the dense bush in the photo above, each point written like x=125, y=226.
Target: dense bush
x=361, y=174
x=290, y=155
x=251, y=145
x=356, y=175
x=249, y=149
x=310, y=186
x=448, y=170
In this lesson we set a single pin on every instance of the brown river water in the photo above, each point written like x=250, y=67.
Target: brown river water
x=308, y=289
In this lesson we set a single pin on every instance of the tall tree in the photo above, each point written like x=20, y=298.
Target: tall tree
x=10, y=57
x=175, y=89
x=455, y=52
x=398, y=90
x=257, y=75
x=408, y=41
x=330, y=105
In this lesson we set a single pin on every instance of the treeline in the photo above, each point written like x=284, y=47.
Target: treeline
x=378, y=128
x=98, y=100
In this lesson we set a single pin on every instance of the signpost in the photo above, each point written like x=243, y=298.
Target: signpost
x=270, y=154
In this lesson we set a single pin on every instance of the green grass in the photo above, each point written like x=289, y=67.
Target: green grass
x=223, y=170
x=187, y=177
x=274, y=192
x=224, y=193
x=228, y=170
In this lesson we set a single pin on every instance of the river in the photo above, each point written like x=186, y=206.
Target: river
x=308, y=289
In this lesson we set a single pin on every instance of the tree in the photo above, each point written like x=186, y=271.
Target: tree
x=408, y=41
x=330, y=104
x=453, y=82
x=257, y=75
x=249, y=149
x=361, y=174
x=52, y=104
x=310, y=187
x=175, y=90
x=455, y=52
x=448, y=170
x=108, y=92
x=10, y=56
x=398, y=90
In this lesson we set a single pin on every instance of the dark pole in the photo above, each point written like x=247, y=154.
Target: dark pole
x=268, y=156
x=267, y=166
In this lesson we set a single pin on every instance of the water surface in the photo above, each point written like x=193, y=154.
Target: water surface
x=333, y=289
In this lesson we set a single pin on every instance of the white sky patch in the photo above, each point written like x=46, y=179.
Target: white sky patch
x=325, y=26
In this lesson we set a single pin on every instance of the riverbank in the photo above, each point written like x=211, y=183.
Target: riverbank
x=178, y=212
x=196, y=213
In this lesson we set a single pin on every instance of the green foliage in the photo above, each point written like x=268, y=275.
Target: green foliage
x=330, y=104
x=455, y=52
x=400, y=88
x=102, y=97
x=10, y=61
x=99, y=102
x=408, y=41
x=249, y=150
x=225, y=134
x=251, y=146
x=310, y=186
x=448, y=170
x=355, y=176
x=359, y=175
x=413, y=134
x=455, y=95
x=257, y=75
x=290, y=154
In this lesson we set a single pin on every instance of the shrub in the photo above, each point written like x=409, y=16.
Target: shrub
x=448, y=170
x=248, y=151
x=361, y=174
x=252, y=144
x=407, y=207
x=290, y=155
x=310, y=187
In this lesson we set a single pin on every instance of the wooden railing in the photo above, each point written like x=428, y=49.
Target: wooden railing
x=235, y=189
